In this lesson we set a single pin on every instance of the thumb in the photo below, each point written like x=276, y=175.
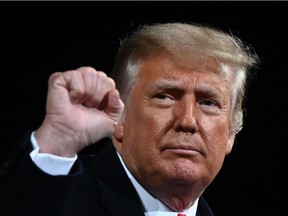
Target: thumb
x=114, y=106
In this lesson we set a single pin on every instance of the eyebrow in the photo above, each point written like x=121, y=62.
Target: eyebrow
x=215, y=93
x=212, y=92
x=165, y=85
x=200, y=90
x=168, y=83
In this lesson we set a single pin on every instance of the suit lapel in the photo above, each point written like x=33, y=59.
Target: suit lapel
x=118, y=205
x=117, y=194
x=203, y=208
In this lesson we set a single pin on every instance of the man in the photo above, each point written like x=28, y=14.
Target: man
x=182, y=86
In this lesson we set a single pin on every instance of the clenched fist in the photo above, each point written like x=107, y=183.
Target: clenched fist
x=83, y=106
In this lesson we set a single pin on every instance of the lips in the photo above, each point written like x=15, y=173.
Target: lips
x=182, y=149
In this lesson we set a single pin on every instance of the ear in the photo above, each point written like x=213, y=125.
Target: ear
x=118, y=135
x=230, y=142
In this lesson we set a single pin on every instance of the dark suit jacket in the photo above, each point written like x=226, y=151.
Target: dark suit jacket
x=97, y=185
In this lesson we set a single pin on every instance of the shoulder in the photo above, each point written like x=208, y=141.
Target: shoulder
x=203, y=208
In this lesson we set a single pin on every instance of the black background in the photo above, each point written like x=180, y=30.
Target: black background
x=39, y=38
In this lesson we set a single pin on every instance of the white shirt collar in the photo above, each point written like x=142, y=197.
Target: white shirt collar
x=152, y=205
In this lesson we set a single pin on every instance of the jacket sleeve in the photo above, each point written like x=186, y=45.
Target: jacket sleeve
x=25, y=188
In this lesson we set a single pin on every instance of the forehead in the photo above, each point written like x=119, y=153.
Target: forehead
x=163, y=67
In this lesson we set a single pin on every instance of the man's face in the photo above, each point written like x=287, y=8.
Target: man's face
x=175, y=127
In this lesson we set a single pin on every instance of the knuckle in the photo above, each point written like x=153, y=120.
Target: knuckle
x=87, y=69
x=111, y=82
x=101, y=75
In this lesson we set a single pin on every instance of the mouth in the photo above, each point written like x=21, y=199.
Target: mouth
x=181, y=149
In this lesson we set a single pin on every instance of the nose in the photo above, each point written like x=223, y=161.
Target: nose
x=185, y=113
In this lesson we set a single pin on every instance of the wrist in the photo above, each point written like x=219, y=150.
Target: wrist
x=53, y=140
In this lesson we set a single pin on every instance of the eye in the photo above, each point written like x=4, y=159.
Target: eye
x=164, y=99
x=209, y=103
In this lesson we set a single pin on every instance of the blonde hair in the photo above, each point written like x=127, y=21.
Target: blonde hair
x=182, y=41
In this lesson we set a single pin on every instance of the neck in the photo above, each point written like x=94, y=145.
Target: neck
x=177, y=198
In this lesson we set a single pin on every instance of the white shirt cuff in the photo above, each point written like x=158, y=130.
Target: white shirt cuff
x=48, y=163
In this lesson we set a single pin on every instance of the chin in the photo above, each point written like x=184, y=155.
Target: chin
x=187, y=173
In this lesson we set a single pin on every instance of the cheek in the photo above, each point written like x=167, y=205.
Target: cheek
x=216, y=136
x=151, y=123
x=157, y=123
x=139, y=146
x=215, y=140
x=139, y=131
x=143, y=131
